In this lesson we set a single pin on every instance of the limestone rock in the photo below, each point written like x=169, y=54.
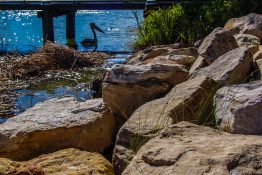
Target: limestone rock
x=57, y=124
x=126, y=87
x=188, y=101
x=239, y=108
x=190, y=149
x=68, y=161
x=250, y=24
x=231, y=68
x=217, y=43
x=249, y=41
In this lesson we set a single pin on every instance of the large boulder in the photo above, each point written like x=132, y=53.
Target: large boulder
x=57, y=124
x=160, y=55
x=151, y=52
x=231, y=68
x=250, y=24
x=217, y=43
x=184, y=56
x=188, y=101
x=172, y=59
x=249, y=41
x=239, y=108
x=68, y=161
x=187, y=149
x=126, y=87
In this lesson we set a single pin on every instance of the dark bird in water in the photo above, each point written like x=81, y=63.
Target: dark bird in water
x=92, y=42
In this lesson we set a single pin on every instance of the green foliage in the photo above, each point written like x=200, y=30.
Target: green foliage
x=188, y=22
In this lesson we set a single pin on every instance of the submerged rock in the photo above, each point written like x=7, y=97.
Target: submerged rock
x=250, y=24
x=231, y=68
x=239, y=108
x=187, y=149
x=68, y=161
x=126, y=87
x=188, y=101
x=57, y=124
x=217, y=43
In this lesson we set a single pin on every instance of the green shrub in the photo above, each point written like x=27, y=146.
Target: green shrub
x=188, y=22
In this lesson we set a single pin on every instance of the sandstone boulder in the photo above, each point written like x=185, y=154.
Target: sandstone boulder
x=126, y=87
x=68, y=161
x=257, y=70
x=249, y=41
x=217, y=43
x=172, y=59
x=150, y=52
x=239, y=108
x=188, y=101
x=184, y=56
x=189, y=149
x=57, y=124
x=250, y=24
x=231, y=68
x=258, y=55
x=198, y=64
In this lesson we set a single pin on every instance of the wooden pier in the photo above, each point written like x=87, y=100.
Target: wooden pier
x=48, y=9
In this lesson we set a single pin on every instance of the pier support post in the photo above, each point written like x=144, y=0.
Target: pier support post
x=48, y=26
x=70, y=25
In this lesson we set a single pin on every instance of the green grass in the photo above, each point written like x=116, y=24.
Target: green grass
x=188, y=22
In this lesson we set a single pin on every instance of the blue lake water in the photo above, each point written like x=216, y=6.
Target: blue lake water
x=22, y=30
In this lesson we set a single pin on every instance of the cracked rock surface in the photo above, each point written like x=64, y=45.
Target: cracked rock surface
x=189, y=149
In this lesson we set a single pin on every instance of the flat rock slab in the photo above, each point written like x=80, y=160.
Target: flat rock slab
x=63, y=162
x=231, y=68
x=187, y=149
x=57, y=124
x=131, y=74
x=239, y=108
x=188, y=101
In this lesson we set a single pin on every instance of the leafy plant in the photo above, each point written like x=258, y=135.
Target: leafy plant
x=188, y=22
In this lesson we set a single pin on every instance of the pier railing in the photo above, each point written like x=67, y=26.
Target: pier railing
x=69, y=4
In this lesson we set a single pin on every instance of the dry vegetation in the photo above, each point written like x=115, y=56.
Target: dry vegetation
x=50, y=57
x=19, y=71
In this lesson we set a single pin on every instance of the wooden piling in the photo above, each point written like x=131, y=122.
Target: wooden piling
x=48, y=26
x=70, y=25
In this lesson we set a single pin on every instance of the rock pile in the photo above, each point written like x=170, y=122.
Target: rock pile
x=163, y=97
